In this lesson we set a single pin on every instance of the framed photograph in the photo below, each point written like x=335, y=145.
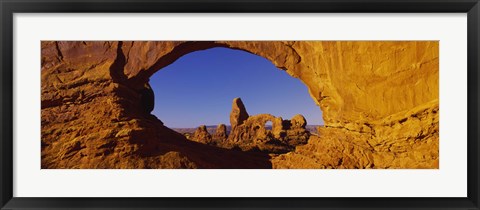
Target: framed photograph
x=239, y=104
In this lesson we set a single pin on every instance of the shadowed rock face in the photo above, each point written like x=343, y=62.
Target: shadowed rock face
x=147, y=98
x=379, y=103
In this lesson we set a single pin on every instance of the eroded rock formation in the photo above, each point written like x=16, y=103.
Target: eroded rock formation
x=295, y=132
x=238, y=114
x=298, y=122
x=379, y=101
x=250, y=132
x=220, y=134
x=201, y=135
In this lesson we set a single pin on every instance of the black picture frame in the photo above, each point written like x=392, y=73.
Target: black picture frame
x=9, y=7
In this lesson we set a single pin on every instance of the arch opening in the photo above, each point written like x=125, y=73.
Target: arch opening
x=268, y=125
x=203, y=83
x=198, y=88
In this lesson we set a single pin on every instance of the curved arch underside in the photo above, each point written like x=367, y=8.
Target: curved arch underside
x=379, y=101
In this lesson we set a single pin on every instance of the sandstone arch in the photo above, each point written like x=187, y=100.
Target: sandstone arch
x=369, y=92
x=322, y=67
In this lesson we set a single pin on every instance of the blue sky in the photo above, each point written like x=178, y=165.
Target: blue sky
x=198, y=89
